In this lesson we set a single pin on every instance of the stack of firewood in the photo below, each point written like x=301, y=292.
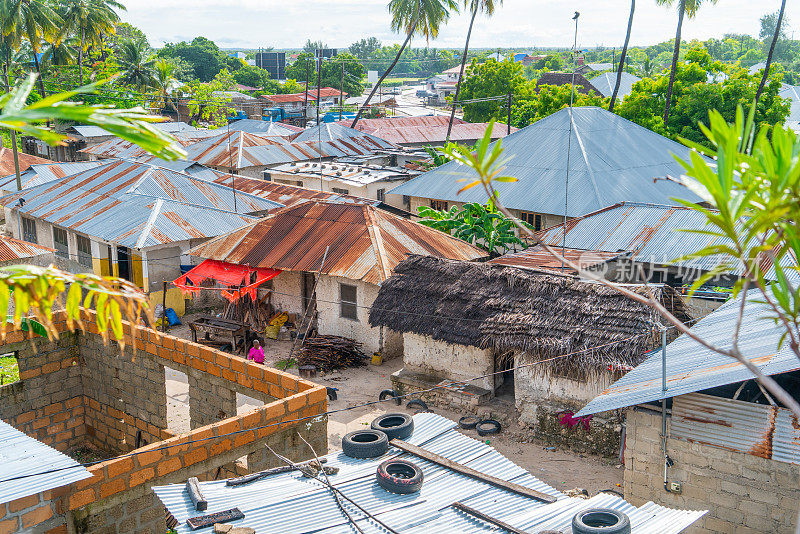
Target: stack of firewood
x=245, y=310
x=329, y=353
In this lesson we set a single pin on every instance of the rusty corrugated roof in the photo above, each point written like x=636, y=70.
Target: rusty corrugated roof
x=537, y=257
x=25, y=161
x=363, y=242
x=427, y=129
x=13, y=249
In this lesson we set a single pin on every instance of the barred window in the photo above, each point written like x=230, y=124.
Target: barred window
x=60, y=242
x=439, y=205
x=84, y=251
x=348, y=300
x=29, y=230
x=534, y=219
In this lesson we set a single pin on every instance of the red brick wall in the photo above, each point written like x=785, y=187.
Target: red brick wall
x=42, y=510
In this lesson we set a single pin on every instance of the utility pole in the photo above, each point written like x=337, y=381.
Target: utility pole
x=305, y=97
x=341, y=92
x=569, y=136
x=508, y=129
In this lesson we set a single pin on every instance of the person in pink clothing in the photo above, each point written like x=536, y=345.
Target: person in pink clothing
x=256, y=352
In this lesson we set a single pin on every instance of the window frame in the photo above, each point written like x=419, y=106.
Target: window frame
x=439, y=205
x=82, y=255
x=25, y=232
x=347, y=307
x=340, y=191
x=537, y=218
x=62, y=249
x=381, y=194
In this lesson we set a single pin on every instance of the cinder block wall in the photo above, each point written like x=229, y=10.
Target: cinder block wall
x=109, y=397
x=39, y=513
x=743, y=493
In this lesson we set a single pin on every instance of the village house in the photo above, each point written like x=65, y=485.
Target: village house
x=729, y=447
x=84, y=397
x=365, y=181
x=41, y=173
x=24, y=160
x=431, y=130
x=582, y=85
x=610, y=160
x=460, y=320
x=361, y=246
x=304, y=105
x=604, y=84
x=132, y=220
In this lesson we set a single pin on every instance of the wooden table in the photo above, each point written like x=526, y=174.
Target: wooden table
x=231, y=331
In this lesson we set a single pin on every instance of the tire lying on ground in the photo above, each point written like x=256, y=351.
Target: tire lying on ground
x=468, y=422
x=418, y=403
x=399, y=476
x=601, y=521
x=365, y=444
x=488, y=426
x=394, y=425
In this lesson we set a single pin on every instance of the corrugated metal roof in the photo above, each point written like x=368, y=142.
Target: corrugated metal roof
x=115, y=201
x=264, y=127
x=46, y=172
x=13, y=249
x=25, y=161
x=353, y=174
x=364, y=243
x=536, y=257
x=324, y=92
x=331, y=131
x=426, y=129
x=792, y=92
x=288, y=503
x=612, y=160
x=23, y=456
x=606, y=81
x=652, y=233
x=95, y=131
x=692, y=368
x=120, y=148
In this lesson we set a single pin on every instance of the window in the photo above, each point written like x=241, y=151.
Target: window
x=60, y=241
x=439, y=205
x=29, y=230
x=298, y=183
x=267, y=175
x=534, y=219
x=382, y=195
x=347, y=298
x=9, y=368
x=84, y=251
x=340, y=191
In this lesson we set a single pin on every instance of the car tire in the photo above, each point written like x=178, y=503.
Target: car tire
x=390, y=393
x=365, y=444
x=487, y=427
x=418, y=403
x=399, y=476
x=394, y=425
x=601, y=521
x=469, y=422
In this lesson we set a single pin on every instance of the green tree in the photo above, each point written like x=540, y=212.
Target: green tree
x=312, y=46
x=487, y=7
x=125, y=31
x=330, y=72
x=205, y=101
x=251, y=76
x=688, y=8
x=493, y=78
x=204, y=56
x=622, y=56
x=552, y=62
x=137, y=63
x=548, y=100
x=365, y=48
x=165, y=82
x=91, y=21
x=478, y=224
x=415, y=17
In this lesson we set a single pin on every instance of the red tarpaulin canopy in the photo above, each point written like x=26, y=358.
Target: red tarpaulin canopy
x=238, y=278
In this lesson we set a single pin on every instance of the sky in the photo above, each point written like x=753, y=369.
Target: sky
x=517, y=23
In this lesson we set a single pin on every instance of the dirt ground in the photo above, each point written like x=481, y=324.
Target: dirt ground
x=562, y=469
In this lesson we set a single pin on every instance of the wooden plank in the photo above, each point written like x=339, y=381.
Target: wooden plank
x=468, y=471
x=489, y=519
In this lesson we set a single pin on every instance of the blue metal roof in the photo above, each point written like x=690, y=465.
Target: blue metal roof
x=692, y=368
x=606, y=81
x=611, y=160
x=263, y=127
x=23, y=456
x=46, y=172
x=288, y=503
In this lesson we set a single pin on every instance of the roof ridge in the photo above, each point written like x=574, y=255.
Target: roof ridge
x=148, y=226
x=377, y=240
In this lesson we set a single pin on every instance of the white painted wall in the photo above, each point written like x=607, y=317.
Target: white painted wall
x=287, y=292
x=423, y=354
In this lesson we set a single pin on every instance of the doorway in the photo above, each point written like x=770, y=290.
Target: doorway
x=504, y=380
x=124, y=263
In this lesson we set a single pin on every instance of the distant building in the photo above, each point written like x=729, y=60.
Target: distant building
x=428, y=130
x=292, y=105
x=582, y=85
x=605, y=83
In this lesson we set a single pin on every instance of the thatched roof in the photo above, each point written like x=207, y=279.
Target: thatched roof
x=508, y=308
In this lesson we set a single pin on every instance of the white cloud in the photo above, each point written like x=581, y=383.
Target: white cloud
x=287, y=24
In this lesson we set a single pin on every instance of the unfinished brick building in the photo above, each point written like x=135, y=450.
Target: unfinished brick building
x=76, y=392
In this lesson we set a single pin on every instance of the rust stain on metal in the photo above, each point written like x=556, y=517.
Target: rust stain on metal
x=763, y=448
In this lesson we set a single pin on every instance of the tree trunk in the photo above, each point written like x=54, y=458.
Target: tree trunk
x=39, y=72
x=14, y=149
x=385, y=74
x=461, y=72
x=80, y=58
x=771, y=51
x=622, y=57
x=675, y=54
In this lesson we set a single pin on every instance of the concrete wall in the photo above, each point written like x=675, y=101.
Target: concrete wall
x=743, y=493
x=36, y=514
x=330, y=321
x=78, y=392
x=423, y=354
x=287, y=292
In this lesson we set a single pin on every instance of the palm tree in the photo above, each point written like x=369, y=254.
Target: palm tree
x=61, y=52
x=771, y=50
x=488, y=7
x=32, y=20
x=137, y=62
x=165, y=82
x=688, y=8
x=90, y=20
x=622, y=57
x=416, y=17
